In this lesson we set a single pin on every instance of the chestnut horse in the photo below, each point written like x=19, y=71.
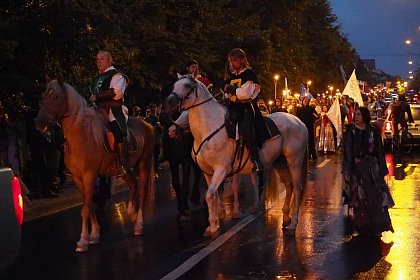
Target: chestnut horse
x=86, y=157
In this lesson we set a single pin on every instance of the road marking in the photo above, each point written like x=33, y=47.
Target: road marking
x=323, y=163
x=200, y=255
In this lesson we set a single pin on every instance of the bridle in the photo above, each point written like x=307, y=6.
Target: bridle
x=62, y=112
x=182, y=99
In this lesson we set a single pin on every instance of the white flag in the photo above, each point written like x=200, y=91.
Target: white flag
x=335, y=117
x=352, y=89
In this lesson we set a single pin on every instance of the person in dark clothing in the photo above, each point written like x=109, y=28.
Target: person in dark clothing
x=308, y=115
x=363, y=169
x=153, y=118
x=398, y=110
x=245, y=112
x=43, y=164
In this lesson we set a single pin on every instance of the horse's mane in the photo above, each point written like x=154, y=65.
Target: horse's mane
x=86, y=116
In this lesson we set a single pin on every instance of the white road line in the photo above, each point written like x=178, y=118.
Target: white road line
x=195, y=259
x=323, y=163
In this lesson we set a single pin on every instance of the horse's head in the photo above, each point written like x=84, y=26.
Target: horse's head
x=182, y=91
x=53, y=104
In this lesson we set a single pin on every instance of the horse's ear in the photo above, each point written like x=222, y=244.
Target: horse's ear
x=191, y=78
x=47, y=78
x=179, y=76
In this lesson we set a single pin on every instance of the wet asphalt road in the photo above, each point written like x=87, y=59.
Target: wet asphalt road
x=321, y=249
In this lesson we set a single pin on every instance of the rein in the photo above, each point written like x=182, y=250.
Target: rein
x=205, y=140
x=201, y=103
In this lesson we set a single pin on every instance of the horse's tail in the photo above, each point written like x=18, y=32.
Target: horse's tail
x=275, y=189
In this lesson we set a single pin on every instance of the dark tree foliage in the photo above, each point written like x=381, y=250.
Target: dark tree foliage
x=151, y=40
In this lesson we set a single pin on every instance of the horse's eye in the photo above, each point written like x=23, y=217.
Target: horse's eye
x=187, y=85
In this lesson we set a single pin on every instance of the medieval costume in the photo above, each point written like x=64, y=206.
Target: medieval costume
x=246, y=113
x=365, y=190
x=326, y=135
x=109, y=87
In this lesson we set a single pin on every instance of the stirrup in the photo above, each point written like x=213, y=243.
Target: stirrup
x=258, y=166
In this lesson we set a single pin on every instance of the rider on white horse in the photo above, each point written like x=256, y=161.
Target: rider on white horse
x=243, y=109
x=108, y=93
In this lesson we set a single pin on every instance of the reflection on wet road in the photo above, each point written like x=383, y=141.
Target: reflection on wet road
x=321, y=249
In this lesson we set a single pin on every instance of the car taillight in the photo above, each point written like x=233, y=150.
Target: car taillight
x=17, y=199
x=388, y=126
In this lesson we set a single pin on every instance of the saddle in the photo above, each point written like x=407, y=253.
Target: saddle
x=240, y=157
x=233, y=131
x=109, y=142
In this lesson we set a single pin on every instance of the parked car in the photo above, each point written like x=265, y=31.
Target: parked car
x=11, y=217
x=413, y=128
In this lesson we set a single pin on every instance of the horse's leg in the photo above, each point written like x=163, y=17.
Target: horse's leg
x=255, y=187
x=87, y=191
x=295, y=172
x=286, y=206
x=236, y=214
x=145, y=169
x=212, y=200
x=95, y=229
x=132, y=183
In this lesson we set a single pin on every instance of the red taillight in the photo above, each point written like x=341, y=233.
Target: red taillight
x=17, y=199
x=388, y=126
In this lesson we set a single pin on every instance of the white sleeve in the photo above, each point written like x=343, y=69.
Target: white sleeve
x=118, y=83
x=182, y=120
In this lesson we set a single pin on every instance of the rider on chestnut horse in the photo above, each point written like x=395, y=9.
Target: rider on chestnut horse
x=108, y=94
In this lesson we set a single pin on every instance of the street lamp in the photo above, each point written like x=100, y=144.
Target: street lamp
x=276, y=79
x=331, y=89
x=410, y=62
x=411, y=77
x=410, y=42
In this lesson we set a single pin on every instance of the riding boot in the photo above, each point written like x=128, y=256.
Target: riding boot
x=249, y=139
x=253, y=152
x=122, y=157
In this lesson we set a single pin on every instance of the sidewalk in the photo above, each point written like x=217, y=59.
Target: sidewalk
x=68, y=197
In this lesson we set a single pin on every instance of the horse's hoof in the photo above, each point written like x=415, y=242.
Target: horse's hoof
x=138, y=231
x=211, y=233
x=82, y=246
x=237, y=215
x=286, y=223
x=94, y=238
x=133, y=217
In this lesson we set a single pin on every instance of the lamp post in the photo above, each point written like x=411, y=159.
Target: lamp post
x=331, y=89
x=276, y=79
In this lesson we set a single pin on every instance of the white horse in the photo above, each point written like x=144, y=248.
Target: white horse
x=214, y=151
